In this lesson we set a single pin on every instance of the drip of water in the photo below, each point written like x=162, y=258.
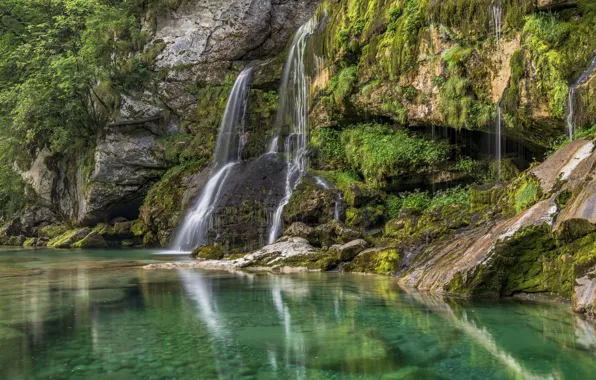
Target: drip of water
x=293, y=111
x=338, y=198
x=572, y=88
x=228, y=151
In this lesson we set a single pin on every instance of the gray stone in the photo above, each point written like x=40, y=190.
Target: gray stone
x=349, y=251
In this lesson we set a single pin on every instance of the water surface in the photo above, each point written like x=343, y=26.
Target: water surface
x=98, y=315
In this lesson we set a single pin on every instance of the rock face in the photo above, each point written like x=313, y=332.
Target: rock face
x=548, y=248
x=219, y=31
x=251, y=193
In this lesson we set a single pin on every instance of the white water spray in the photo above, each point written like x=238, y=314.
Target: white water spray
x=293, y=111
x=228, y=151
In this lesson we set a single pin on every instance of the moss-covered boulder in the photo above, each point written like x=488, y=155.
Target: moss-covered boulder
x=334, y=232
x=51, y=231
x=325, y=260
x=384, y=261
x=310, y=203
x=31, y=242
x=208, y=252
x=15, y=241
x=67, y=239
x=92, y=240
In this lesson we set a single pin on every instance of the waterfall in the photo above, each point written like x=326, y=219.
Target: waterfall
x=228, y=152
x=293, y=111
x=496, y=14
x=572, y=88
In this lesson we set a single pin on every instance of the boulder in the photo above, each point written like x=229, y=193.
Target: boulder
x=92, y=240
x=69, y=238
x=16, y=241
x=348, y=251
x=209, y=252
x=299, y=229
x=310, y=203
x=380, y=260
x=334, y=232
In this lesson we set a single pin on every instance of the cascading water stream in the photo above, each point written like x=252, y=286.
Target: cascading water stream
x=572, y=88
x=497, y=12
x=293, y=111
x=228, y=152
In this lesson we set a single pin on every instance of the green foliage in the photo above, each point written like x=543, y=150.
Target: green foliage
x=342, y=84
x=62, y=62
x=469, y=166
x=379, y=152
x=420, y=201
x=459, y=105
x=330, y=152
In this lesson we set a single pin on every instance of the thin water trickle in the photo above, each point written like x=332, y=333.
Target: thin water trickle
x=228, y=151
x=572, y=88
x=338, y=197
x=293, y=111
x=499, y=140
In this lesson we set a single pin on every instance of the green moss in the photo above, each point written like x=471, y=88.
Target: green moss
x=384, y=261
x=563, y=198
x=379, y=152
x=92, y=240
x=322, y=260
x=210, y=252
x=526, y=193
x=31, y=242
x=52, y=231
x=67, y=239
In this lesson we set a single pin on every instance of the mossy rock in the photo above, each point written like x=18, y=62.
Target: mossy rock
x=15, y=241
x=67, y=239
x=92, y=240
x=31, y=242
x=384, y=261
x=322, y=260
x=525, y=192
x=208, y=252
x=310, y=204
x=359, y=195
x=124, y=230
x=104, y=229
x=52, y=231
x=366, y=217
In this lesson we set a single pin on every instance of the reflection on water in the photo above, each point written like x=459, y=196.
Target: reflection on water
x=98, y=315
